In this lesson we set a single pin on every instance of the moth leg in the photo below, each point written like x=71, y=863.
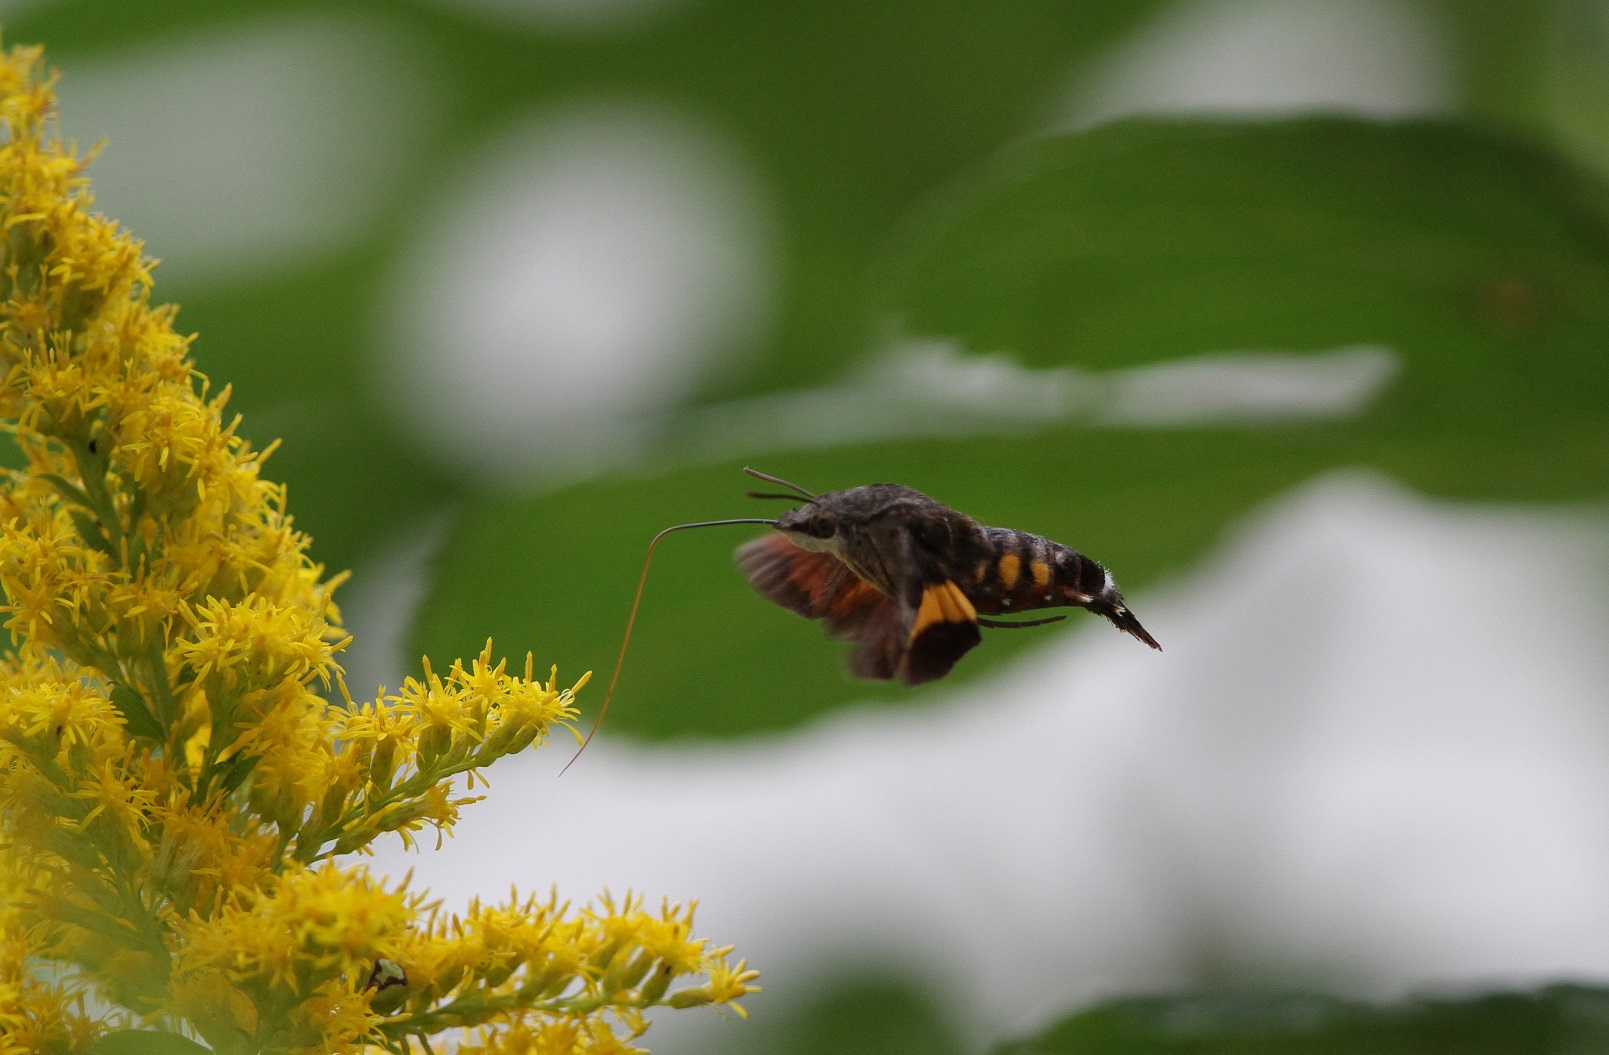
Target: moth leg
x=1001, y=624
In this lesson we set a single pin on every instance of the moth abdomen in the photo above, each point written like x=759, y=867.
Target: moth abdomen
x=1021, y=572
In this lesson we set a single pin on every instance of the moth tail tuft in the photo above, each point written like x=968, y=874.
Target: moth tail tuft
x=1124, y=620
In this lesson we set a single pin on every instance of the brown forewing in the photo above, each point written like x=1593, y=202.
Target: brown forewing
x=918, y=645
x=820, y=586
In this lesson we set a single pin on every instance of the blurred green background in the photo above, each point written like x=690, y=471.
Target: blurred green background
x=896, y=173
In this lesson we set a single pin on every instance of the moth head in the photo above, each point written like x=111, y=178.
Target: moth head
x=811, y=527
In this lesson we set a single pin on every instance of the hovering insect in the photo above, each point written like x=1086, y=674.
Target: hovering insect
x=906, y=578
x=910, y=580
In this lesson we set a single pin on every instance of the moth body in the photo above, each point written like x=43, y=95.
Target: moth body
x=910, y=580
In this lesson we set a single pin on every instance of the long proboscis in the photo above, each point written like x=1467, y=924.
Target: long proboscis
x=631, y=621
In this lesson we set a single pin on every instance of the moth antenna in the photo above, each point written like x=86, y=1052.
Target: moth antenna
x=758, y=475
x=631, y=621
x=785, y=498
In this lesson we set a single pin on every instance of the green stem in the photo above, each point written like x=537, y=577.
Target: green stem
x=92, y=470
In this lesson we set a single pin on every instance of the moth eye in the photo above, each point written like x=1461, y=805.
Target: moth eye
x=824, y=526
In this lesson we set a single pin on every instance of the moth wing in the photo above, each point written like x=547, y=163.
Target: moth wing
x=820, y=586
x=865, y=615
x=938, y=623
x=801, y=581
x=917, y=639
x=943, y=629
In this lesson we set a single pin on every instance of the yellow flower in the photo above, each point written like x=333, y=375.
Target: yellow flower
x=174, y=792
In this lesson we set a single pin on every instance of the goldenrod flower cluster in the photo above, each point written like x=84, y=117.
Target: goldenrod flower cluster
x=176, y=793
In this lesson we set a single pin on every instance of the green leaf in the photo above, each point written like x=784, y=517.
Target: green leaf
x=89, y=529
x=145, y=1042
x=1557, y=1019
x=237, y=770
x=555, y=573
x=1482, y=261
x=71, y=491
x=859, y=1012
x=1188, y=238
x=786, y=85
x=1484, y=264
x=136, y=716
